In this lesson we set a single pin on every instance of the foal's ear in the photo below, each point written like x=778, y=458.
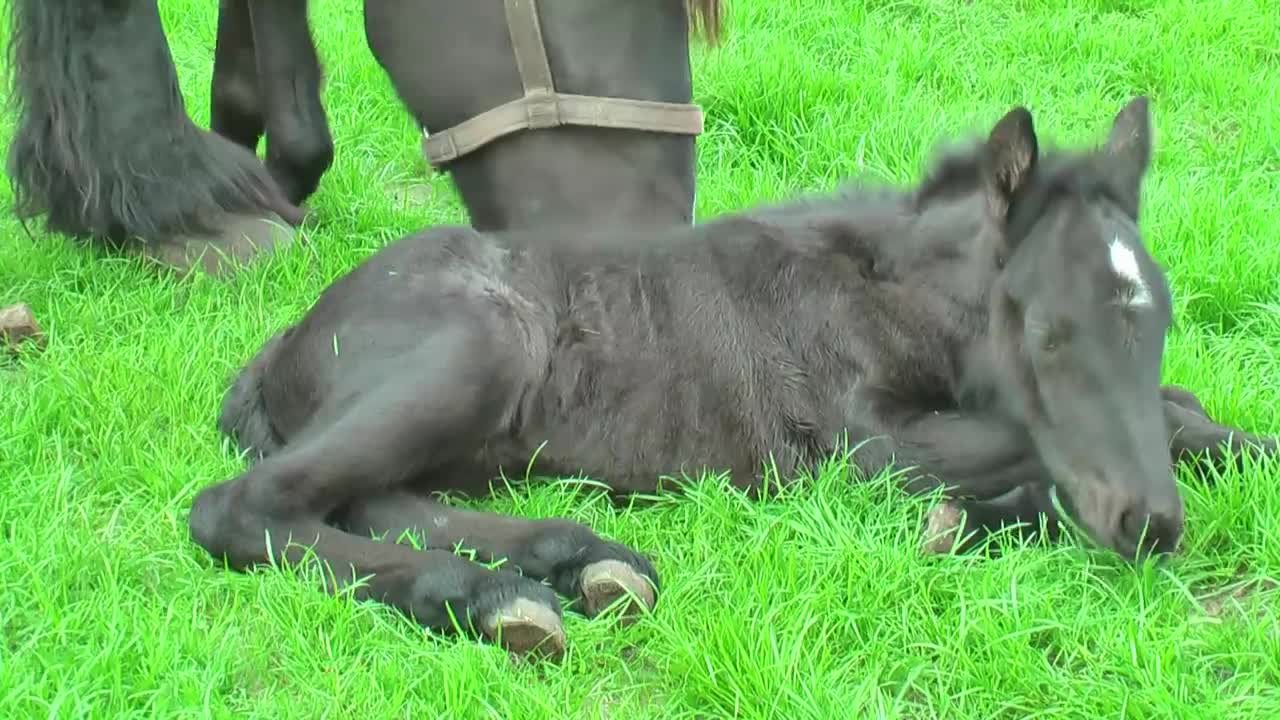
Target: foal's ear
x=1128, y=149
x=1011, y=153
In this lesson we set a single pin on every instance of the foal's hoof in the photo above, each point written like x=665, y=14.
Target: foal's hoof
x=606, y=581
x=524, y=626
x=244, y=238
x=942, y=528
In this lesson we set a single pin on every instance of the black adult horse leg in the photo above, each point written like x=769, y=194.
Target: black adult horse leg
x=593, y=572
x=299, y=142
x=235, y=107
x=266, y=79
x=458, y=387
x=104, y=148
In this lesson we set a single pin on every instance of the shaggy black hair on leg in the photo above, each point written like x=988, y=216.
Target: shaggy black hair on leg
x=104, y=147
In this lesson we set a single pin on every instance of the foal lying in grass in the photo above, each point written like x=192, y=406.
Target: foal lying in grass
x=999, y=327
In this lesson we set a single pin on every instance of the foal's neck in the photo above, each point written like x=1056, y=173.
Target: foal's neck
x=945, y=257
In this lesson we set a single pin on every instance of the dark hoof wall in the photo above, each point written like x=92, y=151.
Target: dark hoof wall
x=942, y=529
x=525, y=627
x=18, y=325
x=606, y=582
x=243, y=239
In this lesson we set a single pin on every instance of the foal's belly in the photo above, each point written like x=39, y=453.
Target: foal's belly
x=635, y=464
x=627, y=422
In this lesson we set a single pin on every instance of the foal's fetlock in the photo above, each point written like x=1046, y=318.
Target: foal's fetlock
x=520, y=614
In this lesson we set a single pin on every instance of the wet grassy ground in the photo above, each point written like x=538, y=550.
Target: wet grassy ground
x=814, y=605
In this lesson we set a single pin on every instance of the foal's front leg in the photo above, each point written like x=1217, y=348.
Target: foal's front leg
x=954, y=449
x=991, y=474
x=973, y=455
x=452, y=394
x=960, y=525
x=593, y=572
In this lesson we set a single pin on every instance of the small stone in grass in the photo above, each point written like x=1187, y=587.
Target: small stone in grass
x=18, y=324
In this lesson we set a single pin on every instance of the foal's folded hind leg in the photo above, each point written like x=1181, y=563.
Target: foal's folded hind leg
x=594, y=572
x=452, y=395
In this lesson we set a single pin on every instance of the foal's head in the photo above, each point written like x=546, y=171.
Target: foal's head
x=1078, y=312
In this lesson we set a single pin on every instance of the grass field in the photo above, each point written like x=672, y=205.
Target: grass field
x=817, y=605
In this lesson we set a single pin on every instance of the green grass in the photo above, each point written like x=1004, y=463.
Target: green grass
x=813, y=605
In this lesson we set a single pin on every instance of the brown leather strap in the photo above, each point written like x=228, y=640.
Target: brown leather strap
x=548, y=110
x=526, y=43
x=543, y=107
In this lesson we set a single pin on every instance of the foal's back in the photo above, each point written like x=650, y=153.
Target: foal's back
x=637, y=350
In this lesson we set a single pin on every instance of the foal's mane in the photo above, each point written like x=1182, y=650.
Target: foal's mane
x=957, y=170
x=708, y=17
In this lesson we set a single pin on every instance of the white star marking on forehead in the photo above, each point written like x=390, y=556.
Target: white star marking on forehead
x=1125, y=264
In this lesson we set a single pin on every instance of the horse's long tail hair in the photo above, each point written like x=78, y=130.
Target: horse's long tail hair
x=103, y=145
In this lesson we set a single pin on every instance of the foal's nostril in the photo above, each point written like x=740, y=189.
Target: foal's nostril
x=1157, y=532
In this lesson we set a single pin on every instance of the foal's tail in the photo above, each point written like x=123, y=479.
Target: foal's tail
x=244, y=417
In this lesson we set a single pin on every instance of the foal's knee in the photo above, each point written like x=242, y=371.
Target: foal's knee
x=208, y=520
x=223, y=529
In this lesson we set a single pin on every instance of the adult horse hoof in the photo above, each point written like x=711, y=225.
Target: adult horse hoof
x=606, y=581
x=525, y=626
x=942, y=528
x=244, y=238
